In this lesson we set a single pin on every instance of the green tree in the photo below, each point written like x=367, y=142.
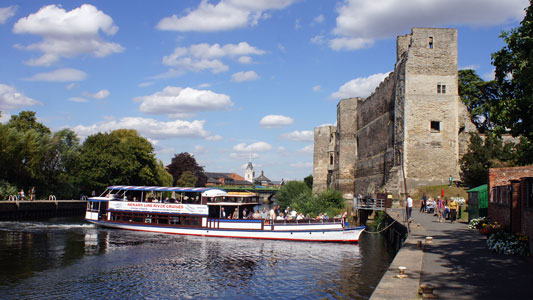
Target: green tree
x=484, y=154
x=119, y=157
x=25, y=121
x=514, y=73
x=292, y=189
x=186, y=162
x=479, y=96
x=187, y=179
x=309, y=181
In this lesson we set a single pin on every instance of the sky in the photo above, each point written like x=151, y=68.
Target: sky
x=225, y=80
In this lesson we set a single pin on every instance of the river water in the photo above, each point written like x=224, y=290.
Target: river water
x=71, y=259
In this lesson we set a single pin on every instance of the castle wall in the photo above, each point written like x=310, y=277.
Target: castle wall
x=324, y=146
x=414, y=123
x=431, y=152
x=346, y=125
x=374, y=138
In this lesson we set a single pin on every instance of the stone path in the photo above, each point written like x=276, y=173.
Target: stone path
x=458, y=263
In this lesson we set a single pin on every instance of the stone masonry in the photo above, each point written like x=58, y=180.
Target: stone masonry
x=413, y=124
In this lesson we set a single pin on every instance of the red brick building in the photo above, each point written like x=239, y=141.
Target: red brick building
x=511, y=199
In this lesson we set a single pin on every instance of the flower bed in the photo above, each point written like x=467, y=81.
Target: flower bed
x=509, y=244
x=498, y=240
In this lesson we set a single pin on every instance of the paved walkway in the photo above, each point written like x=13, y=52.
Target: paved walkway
x=458, y=263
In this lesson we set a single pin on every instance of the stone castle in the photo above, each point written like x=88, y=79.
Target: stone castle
x=414, y=124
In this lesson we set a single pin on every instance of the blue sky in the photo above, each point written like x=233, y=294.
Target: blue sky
x=224, y=79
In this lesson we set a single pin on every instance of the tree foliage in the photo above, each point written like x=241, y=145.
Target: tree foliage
x=186, y=162
x=484, y=154
x=479, y=96
x=514, y=73
x=298, y=195
x=120, y=157
x=309, y=181
x=187, y=179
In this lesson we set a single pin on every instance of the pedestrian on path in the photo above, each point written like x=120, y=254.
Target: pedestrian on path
x=440, y=209
x=409, y=207
x=423, y=203
x=453, y=210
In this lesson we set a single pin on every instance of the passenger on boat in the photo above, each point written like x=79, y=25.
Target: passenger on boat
x=264, y=213
x=134, y=199
x=326, y=217
x=256, y=215
x=294, y=214
x=222, y=213
x=236, y=213
x=280, y=217
x=245, y=214
x=272, y=214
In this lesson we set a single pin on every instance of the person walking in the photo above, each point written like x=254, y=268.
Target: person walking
x=32, y=193
x=409, y=207
x=423, y=203
x=453, y=210
x=439, y=209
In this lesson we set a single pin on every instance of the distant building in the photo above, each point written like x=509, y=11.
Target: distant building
x=227, y=179
x=249, y=174
x=262, y=180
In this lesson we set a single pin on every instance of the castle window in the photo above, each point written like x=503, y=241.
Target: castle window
x=331, y=159
x=430, y=42
x=441, y=89
x=435, y=126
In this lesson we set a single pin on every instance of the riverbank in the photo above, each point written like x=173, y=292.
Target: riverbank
x=23, y=210
x=457, y=262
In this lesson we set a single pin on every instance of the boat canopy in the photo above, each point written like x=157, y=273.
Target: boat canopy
x=214, y=193
x=161, y=188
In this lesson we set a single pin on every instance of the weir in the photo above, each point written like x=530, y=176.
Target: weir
x=21, y=210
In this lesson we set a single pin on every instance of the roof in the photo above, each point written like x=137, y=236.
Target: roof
x=242, y=182
x=481, y=188
x=158, y=188
x=217, y=175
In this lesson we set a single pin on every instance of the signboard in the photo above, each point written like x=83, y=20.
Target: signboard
x=195, y=209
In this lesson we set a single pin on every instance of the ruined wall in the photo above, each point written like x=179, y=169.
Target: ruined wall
x=345, y=164
x=323, y=157
x=431, y=146
x=414, y=119
x=374, y=138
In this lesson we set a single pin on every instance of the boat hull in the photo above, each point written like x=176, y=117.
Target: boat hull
x=290, y=233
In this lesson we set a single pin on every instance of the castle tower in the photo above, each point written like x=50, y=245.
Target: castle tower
x=249, y=173
x=430, y=107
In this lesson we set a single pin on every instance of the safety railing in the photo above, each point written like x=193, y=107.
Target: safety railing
x=370, y=204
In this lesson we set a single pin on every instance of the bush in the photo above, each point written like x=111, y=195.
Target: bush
x=6, y=189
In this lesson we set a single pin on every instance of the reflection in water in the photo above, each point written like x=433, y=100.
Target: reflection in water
x=72, y=259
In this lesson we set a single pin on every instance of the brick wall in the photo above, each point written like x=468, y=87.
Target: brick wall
x=526, y=194
x=499, y=181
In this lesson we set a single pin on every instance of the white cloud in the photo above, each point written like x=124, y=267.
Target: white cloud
x=70, y=86
x=223, y=16
x=4, y=117
x=307, y=149
x=318, y=39
x=469, y=67
x=214, y=138
x=6, y=13
x=60, y=75
x=200, y=149
x=254, y=147
x=319, y=19
x=101, y=94
x=491, y=75
x=316, y=88
x=67, y=34
x=78, y=99
x=145, y=84
x=244, y=76
x=275, y=121
x=203, y=56
x=204, y=85
x=149, y=128
x=176, y=101
x=359, y=87
x=299, y=136
x=302, y=165
x=282, y=48
x=245, y=59
x=244, y=156
x=360, y=22
x=11, y=99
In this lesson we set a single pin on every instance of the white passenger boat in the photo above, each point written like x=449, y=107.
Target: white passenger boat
x=200, y=212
